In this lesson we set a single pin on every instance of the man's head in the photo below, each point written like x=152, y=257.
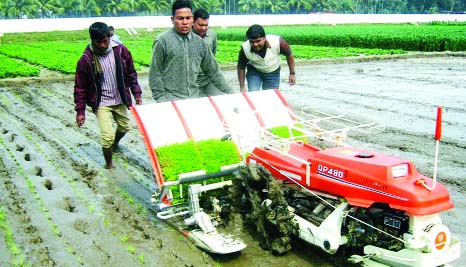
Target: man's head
x=111, y=30
x=100, y=36
x=256, y=37
x=182, y=16
x=201, y=22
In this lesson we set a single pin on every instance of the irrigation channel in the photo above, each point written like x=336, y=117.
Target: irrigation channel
x=62, y=208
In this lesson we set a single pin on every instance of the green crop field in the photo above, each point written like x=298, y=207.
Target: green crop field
x=23, y=53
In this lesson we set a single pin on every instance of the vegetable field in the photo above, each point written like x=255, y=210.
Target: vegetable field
x=59, y=51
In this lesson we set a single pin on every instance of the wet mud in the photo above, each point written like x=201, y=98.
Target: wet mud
x=63, y=208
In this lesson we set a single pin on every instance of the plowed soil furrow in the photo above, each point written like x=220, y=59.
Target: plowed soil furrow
x=97, y=209
x=29, y=214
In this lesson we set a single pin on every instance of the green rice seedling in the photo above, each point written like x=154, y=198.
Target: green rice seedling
x=178, y=158
x=286, y=132
x=2, y=218
x=14, y=249
x=80, y=194
x=141, y=258
x=131, y=249
x=140, y=208
x=208, y=155
x=20, y=262
x=31, y=186
x=70, y=250
x=124, y=238
x=91, y=208
x=10, y=243
x=56, y=229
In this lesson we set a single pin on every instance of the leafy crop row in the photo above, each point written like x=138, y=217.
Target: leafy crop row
x=9, y=241
x=60, y=51
x=409, y=37
x=58, y=55
x=13, y=68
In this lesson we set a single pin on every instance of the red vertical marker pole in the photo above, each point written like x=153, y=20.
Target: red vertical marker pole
x=438, y=127
x=438, y=135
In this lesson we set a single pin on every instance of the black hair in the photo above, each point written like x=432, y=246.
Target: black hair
x=111, y=28
x=201, y=13
x=255, y=31
x=99, y=31
x=179, y=4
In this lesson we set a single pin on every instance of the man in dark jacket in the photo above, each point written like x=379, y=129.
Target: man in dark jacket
x=105, y=79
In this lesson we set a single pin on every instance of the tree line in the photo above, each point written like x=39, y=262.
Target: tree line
x=17, y=9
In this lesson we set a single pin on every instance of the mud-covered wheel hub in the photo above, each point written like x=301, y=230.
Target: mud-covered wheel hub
x=259, y=198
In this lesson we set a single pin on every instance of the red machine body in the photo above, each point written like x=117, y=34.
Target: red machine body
x=362, y=177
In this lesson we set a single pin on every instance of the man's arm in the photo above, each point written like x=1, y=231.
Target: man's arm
x=132, y=76
x=210, y=67
x=80, y=92
x=241, y=69
x=285, y=49
x=292, y=76
x=156, y=83
x=241, y=78
x=214, y=43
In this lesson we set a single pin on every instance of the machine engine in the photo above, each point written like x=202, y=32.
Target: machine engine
x=389, y=221
x=361, y=230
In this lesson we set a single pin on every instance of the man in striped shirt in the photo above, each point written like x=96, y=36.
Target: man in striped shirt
x=178, y=56
x=105, y=80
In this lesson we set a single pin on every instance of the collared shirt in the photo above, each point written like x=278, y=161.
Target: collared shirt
x=210, y=39
x=110, y=95
x=176, y=62
x=116, y=38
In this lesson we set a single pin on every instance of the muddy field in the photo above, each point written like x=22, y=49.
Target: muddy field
x=62, y=208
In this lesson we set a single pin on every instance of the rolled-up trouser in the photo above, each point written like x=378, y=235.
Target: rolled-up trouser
x=105, y=115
